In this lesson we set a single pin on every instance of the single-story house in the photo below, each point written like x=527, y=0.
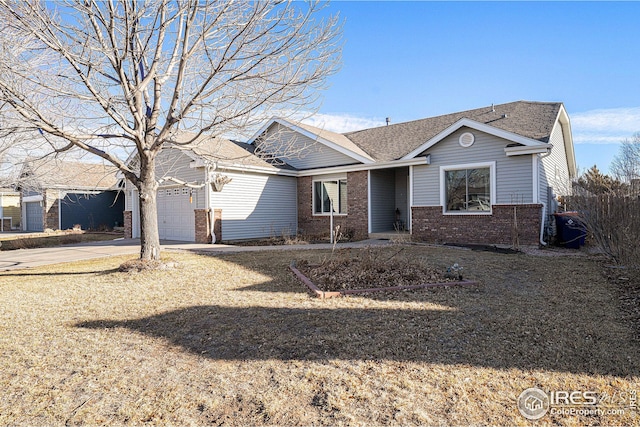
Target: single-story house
x=488, y=175
x=60, y=195
x=9, y=209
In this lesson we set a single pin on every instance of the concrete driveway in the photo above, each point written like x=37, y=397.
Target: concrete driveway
x=29, y=258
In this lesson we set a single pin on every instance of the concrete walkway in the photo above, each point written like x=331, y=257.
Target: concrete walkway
x=29, y=258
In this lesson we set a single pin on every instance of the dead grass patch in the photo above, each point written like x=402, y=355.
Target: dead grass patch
x=137, y=265
x=235, y=340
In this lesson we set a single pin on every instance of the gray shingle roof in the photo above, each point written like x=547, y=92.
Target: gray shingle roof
x=48, y=173
x=229, y=153
x=532, y=120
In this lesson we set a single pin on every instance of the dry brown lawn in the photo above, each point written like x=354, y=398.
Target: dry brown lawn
x=236, y=340
x=52, y=239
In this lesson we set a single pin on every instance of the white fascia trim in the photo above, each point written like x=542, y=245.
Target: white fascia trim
x=426, y=160
x=314, y=137
x=60, y=198
x=563, y=119
x=523, y=149
x=29, y=199
x=410, y=216
x=262, y=130
x=257, y=169
x=535, y=164
x=481, y=127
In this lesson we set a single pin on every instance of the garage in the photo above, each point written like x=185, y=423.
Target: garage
x=33, y=213
x=175, y=214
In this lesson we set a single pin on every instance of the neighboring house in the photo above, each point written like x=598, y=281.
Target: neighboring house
x=60, y=195
x=488, y=175
x=9, y=209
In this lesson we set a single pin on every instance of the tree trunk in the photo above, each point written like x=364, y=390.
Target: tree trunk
x=148, y=188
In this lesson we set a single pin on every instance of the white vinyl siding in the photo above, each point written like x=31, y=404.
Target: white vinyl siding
x=383, y=200
x=256, y=205
x=302, y=152
x=554, y=171
x=513, y=175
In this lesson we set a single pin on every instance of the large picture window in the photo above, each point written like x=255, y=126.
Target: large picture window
x=328, y=194
x=467, y=189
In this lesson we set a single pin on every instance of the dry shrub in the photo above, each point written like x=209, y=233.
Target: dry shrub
x=613, y=222
x=370, y=268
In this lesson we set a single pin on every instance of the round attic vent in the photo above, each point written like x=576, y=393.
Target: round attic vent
x=466, y=139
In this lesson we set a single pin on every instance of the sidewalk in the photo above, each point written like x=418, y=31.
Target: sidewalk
x=29, y=258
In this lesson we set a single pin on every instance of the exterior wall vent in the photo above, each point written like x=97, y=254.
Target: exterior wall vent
x=466, y=139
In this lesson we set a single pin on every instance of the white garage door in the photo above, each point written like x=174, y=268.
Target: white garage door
x=176, y=219
x=34, y=216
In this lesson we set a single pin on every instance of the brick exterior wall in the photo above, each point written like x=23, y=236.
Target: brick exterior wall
x=203, y=231
x=355, y=223
x=430, y=225
x=128, y=224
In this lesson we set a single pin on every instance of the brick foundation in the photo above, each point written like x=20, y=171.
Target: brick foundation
x=430, y=225
x=128, y=224
x=203, y=231
x=355, y=223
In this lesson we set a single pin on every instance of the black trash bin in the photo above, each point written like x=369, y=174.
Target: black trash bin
x=571, y=232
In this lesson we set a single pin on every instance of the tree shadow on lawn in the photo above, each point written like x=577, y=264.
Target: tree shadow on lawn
x=483, y=338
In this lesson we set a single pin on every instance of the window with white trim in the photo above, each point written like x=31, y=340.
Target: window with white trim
x=330, y=194
x=467, y=189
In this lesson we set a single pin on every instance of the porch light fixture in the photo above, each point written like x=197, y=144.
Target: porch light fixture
x=219, y=181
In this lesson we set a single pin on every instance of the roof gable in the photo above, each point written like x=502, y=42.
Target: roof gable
x=500, y=133
x=332, y=140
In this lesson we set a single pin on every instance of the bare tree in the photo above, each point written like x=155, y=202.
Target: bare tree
x=121, y=79
x=626, y=164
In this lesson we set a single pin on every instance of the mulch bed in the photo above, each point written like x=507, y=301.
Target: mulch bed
x=371, y=271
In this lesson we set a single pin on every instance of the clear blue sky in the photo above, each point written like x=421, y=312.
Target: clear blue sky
x=410, y=60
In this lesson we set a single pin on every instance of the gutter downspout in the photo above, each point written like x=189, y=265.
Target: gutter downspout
x=544, y=205
x=207, y=202
x=544, y=216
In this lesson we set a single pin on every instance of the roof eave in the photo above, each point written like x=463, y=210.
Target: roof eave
x=524, y=149
x=421, y=160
